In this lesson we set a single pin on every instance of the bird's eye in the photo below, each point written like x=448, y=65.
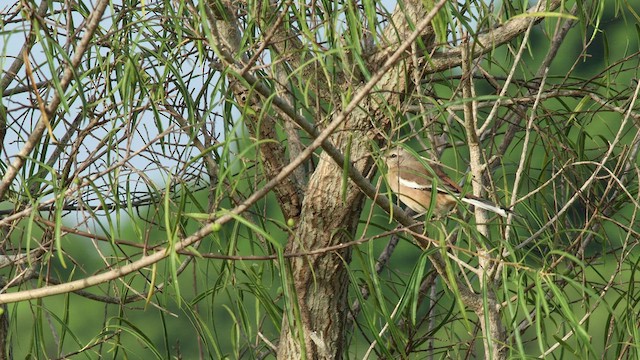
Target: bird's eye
x=393, y=156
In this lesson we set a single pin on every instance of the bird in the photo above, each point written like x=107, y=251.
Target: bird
x=413, y=184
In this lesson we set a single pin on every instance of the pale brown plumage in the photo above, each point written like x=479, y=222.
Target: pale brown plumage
x=413, y=184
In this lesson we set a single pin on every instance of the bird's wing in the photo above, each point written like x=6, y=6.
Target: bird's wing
x=422, y=180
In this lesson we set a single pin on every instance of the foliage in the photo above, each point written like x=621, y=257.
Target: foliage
x=184, y=179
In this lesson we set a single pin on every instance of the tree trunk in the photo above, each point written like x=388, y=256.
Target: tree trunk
x=321, y=282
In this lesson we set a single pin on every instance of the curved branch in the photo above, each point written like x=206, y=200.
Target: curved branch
x=484, y=43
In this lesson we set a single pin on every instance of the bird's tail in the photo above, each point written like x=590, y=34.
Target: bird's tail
x=487, y=206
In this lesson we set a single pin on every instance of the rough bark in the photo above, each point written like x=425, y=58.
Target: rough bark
x=320, y=282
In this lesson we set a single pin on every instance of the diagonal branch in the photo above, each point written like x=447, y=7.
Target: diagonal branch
x=262, y=125
x=65, y=80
